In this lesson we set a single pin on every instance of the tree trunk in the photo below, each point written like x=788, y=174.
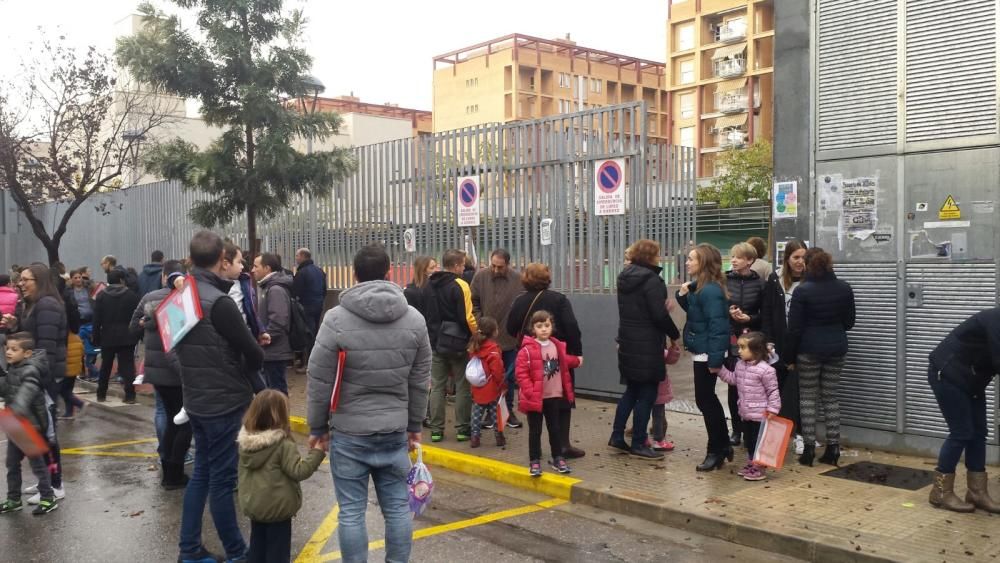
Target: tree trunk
x=252, y=231
x=52, y=249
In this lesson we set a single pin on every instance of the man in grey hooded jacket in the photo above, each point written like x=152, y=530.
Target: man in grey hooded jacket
x=382, y=402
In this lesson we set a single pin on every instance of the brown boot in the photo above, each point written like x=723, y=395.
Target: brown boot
x=943, y=494
x=979, y=494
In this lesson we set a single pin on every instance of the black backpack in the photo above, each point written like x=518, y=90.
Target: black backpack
x=300, y=336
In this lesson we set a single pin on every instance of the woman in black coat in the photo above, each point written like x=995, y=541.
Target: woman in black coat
x=423, y=267
x=745, y=297
x=821, y=313
x=643, y=327
x=778, y=292
x=536, y=279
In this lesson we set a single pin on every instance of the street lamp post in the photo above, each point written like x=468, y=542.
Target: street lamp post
x=312, y=87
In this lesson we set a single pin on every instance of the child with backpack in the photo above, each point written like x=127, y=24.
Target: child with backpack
x=23, y=392
x=485, y=372
x=269, y=474
x=757, y=385
x=545, y=387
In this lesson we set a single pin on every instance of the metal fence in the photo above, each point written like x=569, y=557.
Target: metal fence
x=527, y=171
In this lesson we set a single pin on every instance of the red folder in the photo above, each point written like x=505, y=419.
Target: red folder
x=23, y=434
x=338, y=381
x=772, y=442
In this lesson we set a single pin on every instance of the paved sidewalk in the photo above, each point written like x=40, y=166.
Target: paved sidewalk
x=797, y=511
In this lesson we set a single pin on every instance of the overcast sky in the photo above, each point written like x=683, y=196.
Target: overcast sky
x=382, y=50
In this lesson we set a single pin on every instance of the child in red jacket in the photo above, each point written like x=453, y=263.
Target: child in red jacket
x=489, y=381
x=543, y=377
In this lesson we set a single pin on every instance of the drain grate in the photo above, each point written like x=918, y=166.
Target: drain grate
x=884, y=474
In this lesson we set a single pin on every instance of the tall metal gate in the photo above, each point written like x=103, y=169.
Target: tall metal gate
x=528, y=172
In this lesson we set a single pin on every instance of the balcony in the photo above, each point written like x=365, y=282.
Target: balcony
x=730, y=61
x=732, y=97
x=729, y=31
x=730, y=131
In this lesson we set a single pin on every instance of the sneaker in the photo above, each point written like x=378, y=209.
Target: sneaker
x=488, y=426
x=755, y=473
x=37, y=497
x=535, y=468
x=189, y=458
x=745, y=468
x=462, y=437
x=663, y=446
x=513, y=421
x=10, y=506
x=618, y=446
x=45, y=506
x=203, y=556
x=139, y=379
x=31, y=490
x=437, y=436
x=560, y=465
x=800, y=444
x=181, y=417
x=474, y=442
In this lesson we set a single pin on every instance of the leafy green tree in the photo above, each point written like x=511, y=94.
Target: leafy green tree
x=748, y=174
x=69, y=130
x=246, y=67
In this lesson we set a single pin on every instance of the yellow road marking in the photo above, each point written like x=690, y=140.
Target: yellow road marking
x=453, y=526
x=549, y=484
x=115, y=444
x=311, y=551
x=109, y=454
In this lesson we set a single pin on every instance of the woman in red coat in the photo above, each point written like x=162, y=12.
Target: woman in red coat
x=544, y=383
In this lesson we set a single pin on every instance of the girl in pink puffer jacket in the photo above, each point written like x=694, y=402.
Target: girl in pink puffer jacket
x=757, y=384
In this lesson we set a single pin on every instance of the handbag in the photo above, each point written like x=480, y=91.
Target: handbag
x=452, y=338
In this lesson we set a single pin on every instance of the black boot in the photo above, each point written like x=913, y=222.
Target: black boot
x=173, y=476
x=808, y=454
x=715, y=460
x=831, y=455
x=734, y=438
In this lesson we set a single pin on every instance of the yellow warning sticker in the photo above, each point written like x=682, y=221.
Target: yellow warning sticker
x=949, y=210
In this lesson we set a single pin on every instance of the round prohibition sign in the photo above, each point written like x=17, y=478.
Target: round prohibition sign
x=468, y=193
x=609, y=176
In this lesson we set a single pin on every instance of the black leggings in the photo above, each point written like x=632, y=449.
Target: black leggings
x=710, y=407
x=734, y=410
x=176, y=439
x=126, y=369
x=550, y=411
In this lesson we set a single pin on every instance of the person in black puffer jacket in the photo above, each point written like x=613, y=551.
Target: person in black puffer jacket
x=821, y=313
x=163, y=372
x=643, y=326
x=745, y=297
x=961, y=367
x=112, y=312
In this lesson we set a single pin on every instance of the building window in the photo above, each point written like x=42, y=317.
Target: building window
x=596, y=85
x=472, y=82
x=687, y=105
x=685, y=37
x=687, y=137
x=687, y=72
x=472, y=109
x=564, y=80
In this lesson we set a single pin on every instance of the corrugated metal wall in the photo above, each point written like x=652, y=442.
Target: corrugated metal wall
x=951, y=71
x=856, y=73
x=951, y=294
x=527, y=171
x=868, y=384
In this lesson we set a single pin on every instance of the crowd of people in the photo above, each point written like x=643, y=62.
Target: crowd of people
x=383, y=364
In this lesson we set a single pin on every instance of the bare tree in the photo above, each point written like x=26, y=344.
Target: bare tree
x=69, y=130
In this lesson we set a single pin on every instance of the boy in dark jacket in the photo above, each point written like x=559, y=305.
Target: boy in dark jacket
x=112, y=313
x=23, y=393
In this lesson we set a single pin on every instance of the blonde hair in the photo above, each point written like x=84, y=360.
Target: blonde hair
x=268, y=411
x=710, y=268
x=420, y=273
x=744, y=250
x=644, y=251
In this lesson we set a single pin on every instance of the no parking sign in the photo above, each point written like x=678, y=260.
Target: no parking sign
x=468, y=202
x=609, y=190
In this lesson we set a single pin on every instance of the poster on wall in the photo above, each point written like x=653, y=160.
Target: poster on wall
x=786, y=200
x=830, y=195
x=860, y=215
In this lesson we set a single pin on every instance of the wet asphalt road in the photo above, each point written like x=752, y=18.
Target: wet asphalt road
x=114, y=510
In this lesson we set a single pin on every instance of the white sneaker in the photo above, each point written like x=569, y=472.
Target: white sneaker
x=139, y=379
x=181, y=418
x=31, y=490
x=800, y=444
x=59, y=493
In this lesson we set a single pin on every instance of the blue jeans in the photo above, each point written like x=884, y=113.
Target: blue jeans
x=637, y=401
x=213, y=481
x=509, y=359
x=274, y=375
x=160, y=423
x=383, y=457
x=967, y=429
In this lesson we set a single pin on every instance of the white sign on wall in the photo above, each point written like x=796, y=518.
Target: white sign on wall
x=468, y=201
x=609, y=187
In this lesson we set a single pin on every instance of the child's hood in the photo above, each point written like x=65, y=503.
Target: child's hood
x=257, y=447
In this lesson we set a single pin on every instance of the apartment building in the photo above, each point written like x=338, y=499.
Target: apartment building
x=519, y=77
x=720, y=67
